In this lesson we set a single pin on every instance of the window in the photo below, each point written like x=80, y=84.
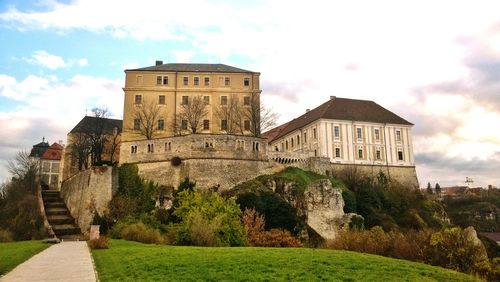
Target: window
x=168, y=146
x=207, y=81
x=305, y=137
x=161, y=124
x=240, y=145
x=360, y=153
x=359, y=134
x=291, y=142
x=337, y=152
x=196, y=81
x=138, y=99
x=184, y=124
x=255, y=146
x=165, y=80
x=150, y=148
x=377, y=134
x=185, y=100
x=400, y=155
x=185, y=80
x=298, y=140
x=246, y=100
x=246, y=125
x=336, y=132
x=133, y=149
x=398, y=135
x=223, y=124
x=223, y=100
x=206, y=100
x=161, y=99
x=246, y=82
x=206, y=124
x=378, y=155
x=286, y=145
x=159, y=80
x=137, y=124
x=315, y=136
x=227, y=81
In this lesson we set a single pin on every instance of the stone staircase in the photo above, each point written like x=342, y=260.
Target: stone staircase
x=59, y=217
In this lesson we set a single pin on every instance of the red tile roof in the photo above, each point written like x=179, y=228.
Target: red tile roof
x=54, y=152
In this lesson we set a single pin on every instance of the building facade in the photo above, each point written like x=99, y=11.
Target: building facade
x=157, y=98
x=347, y=131
x=49, y=163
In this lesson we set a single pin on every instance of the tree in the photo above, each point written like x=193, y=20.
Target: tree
x=193, y=113
x=96, y=134
x=438, y=189
x=80, y=150
x=232, y=114
x=261, y=117
x=147, y=114
x=429, y=188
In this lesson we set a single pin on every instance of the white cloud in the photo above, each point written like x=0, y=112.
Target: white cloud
x=83, y=62
x=51, y=108
x=44, y=59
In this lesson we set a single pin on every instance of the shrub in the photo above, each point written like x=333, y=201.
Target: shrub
x=141, y=233
x=203, y=232
x=258, y=237
x=5, y=235
x=104, y=223
x=100, y=243
x=452, y=248
x=121, y=207
x=218, y=214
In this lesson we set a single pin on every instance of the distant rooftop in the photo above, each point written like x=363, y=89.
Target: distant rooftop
x=191, y=68
x=339, y=109
x=89, y=124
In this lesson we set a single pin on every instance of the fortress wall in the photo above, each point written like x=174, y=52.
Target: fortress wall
x=89, y=191
x=224, y=173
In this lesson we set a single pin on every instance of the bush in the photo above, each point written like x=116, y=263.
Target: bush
x=452, y=248
x=221, y=218
x=100, y=243
x=121, y=207
x=141, y=233
x=5, y=235
x=258, y=237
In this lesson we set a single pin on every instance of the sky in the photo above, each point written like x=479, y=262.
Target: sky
x=435, y=63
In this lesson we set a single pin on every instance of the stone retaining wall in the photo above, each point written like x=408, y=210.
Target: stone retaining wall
x=89, y=191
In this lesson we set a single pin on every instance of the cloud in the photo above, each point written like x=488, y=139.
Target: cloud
x=46, y=60
x=48, y=107
x=83, y=62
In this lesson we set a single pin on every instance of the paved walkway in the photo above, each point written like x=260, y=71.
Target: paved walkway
x=66, y=261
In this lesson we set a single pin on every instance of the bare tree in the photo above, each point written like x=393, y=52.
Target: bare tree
x=22, y=165
x=193, y=113
x=261, y=117
x=80, y=148
x=147, y=114
x=232, y=114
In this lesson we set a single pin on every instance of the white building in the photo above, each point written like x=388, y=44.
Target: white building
x=347, y=131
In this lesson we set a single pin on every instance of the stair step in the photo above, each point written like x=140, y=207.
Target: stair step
x=60, y=219
x=66, y=229
x=57, y=211
x=51, y=199
x=55, y=205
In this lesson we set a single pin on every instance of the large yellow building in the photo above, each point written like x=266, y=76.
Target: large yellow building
x=164, y=100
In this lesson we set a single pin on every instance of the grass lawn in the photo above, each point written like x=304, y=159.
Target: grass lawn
x=14, y=253
x=132, y=261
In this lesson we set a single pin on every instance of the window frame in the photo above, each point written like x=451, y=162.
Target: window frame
x=161, y=100
x=185, y=100
x=246, y=81
x=138, y=99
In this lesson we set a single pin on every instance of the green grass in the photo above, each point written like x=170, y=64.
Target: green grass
x=14, y=253
x=132, y=261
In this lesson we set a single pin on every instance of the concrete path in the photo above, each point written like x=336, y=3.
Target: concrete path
x=66, y=261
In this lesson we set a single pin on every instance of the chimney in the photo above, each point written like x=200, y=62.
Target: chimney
x=159, y=63
x=332, y=97
x=307, y=110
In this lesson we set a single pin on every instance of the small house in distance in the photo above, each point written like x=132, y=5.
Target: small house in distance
x=49, y=160
x=347, y=131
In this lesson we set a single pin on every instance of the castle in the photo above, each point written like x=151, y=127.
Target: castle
x=202, y=121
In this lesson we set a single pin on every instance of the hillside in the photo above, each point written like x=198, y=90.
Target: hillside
x=131, y=261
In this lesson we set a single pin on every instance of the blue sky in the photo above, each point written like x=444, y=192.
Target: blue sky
x=435, y=64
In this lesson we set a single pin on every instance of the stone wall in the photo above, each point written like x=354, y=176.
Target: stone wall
x=194, y=146
x=89, y=191
x=223, y=173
